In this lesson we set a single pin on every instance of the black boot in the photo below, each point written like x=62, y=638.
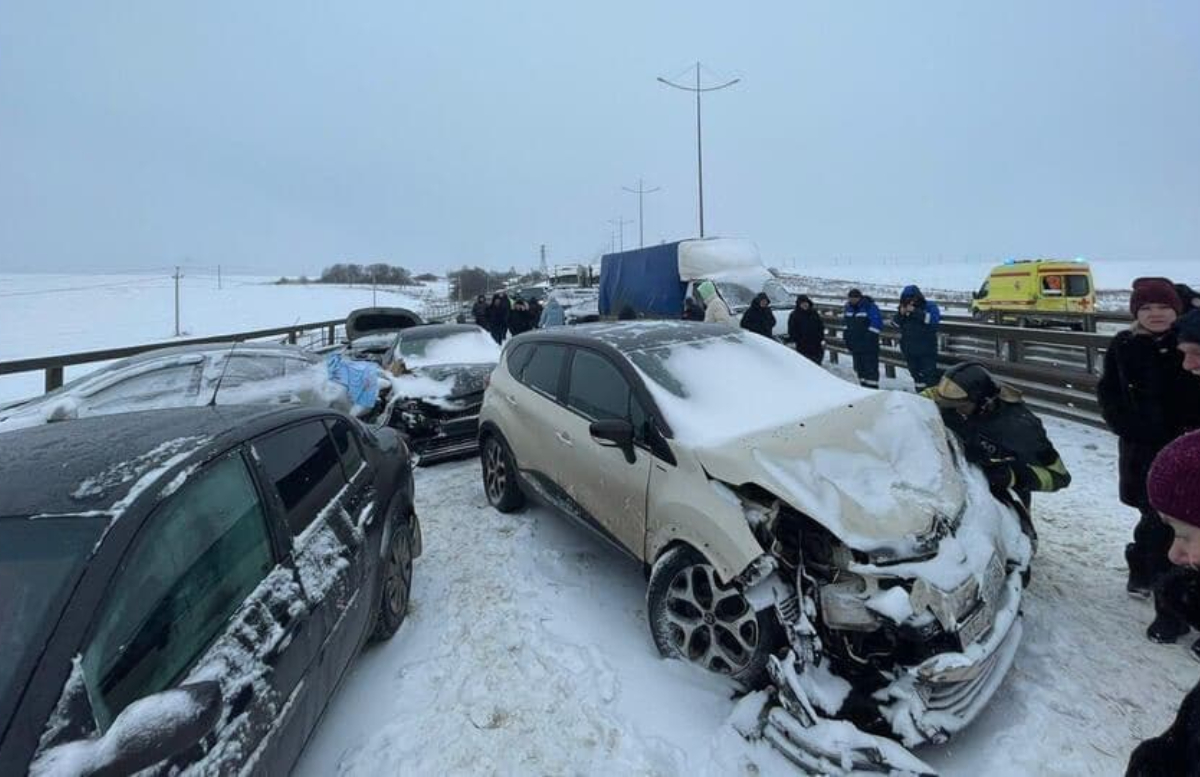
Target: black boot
x=1167, y=628
x=1141, y=577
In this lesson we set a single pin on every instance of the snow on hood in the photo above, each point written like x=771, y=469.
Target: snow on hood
x=417, y=386
x=872, y=466
x=466, y=348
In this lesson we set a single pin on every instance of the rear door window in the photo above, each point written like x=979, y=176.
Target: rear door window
x=303, y=464
x=545, y=369
x=519, y=358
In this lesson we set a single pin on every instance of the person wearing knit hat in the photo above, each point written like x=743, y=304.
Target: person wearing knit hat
x=1173, y=487
x=1187, y=332
x=1154, y=292
x=1148, y=399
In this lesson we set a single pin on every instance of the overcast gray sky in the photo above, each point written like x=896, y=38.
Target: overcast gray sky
x=284, y=136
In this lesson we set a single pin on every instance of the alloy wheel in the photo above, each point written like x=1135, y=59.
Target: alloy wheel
x=711, y=624
x=495, y=471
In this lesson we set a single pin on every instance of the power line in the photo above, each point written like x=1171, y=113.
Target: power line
x=699, y=89
x=61, y=289
x=640, y=191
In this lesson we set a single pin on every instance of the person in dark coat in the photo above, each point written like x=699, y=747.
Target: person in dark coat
x=520, y=318
x=479, y=311
x=759, y=318
x=918, y=319
x=1147, y=400
x=535, y=311
x=497, y=318
x=1188, y=296
x=1173, y=489
x=692, y=310
x=807, y=330
x=1000, y=435
x=863, y=322
x=1187, y=332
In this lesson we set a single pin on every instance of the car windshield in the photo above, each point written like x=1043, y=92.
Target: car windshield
x=472, y=346
x=737, y=295
x=40, y=560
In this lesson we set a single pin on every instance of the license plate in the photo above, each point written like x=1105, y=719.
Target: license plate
x=977, y=625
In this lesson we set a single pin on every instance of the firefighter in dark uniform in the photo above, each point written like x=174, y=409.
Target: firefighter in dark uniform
x=1001, y=435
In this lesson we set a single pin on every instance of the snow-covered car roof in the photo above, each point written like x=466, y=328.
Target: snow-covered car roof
x=92, y=464
x=245, y=373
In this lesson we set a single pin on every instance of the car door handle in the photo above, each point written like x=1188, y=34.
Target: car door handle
x=511, y=399
x=564, y=438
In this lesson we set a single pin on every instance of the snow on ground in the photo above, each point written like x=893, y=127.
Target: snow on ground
x=56, y=314
x=527, y=652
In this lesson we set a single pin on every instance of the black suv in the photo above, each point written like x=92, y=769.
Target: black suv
x=185, y=588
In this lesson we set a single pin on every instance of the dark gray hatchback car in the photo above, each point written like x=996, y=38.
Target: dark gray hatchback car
x=184, y=589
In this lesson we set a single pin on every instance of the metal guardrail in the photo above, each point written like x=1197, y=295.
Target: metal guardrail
x=1057, y=370
x=326, y=332
x=314, y=334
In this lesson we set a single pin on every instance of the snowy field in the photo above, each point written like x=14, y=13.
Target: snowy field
x=44, y=315
x=967, y=275
x=527, y=652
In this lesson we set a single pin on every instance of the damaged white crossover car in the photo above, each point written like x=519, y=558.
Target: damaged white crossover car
x=824, y=544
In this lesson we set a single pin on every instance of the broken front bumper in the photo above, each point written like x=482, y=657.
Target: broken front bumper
x=942, y=695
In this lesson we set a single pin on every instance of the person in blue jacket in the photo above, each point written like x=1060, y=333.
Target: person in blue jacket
x=863, y=325
x=917, y=321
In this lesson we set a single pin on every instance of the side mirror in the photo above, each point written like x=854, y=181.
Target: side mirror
x=148, y=731
x=614, y=434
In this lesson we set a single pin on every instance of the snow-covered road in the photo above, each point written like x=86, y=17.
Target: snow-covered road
x=527, y=652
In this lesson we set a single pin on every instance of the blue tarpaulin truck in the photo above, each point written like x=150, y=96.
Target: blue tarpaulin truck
x=654, y=281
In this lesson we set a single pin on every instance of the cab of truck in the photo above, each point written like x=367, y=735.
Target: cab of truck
x=1034, y=290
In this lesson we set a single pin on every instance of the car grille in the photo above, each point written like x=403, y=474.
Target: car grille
x=963, y=697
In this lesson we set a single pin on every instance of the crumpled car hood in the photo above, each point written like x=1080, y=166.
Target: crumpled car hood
x=468, y=378
x=876, y=472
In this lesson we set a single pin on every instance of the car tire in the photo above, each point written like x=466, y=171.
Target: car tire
x=395, y=585
x=695, y=618
x=500, y=476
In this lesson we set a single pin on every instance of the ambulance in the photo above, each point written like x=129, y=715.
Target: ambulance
x=1033, y=291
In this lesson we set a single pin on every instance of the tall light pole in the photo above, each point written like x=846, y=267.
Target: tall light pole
x=698, y=89
x=640, y=191
x=620, y=223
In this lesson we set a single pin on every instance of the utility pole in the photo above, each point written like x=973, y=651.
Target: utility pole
x=698, y=89
x=177, y=276
x=620, y=223
x=640, y=191
x=373, y=282
x=218, y=277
